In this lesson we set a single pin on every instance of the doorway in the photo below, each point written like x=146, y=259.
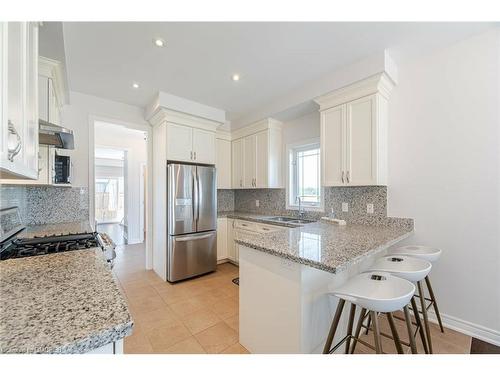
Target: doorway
x=120, y=185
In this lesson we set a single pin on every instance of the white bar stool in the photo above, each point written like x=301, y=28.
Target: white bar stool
x=430, y=254
x=374, y=292
x=414, y=270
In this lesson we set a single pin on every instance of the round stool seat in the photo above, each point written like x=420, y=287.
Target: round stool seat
x=430, y=254
x=408, y=268
x=377, y=291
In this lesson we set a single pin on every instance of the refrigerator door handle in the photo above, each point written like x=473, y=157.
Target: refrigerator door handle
x=195, y=198
x=193, y=238
x=199, y=198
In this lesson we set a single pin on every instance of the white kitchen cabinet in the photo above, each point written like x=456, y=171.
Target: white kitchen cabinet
x=204, y=146
x=354, y=133
x=179, y=142
x=257, y=156
x=19, y=88
x=185, y=143
x=223, y=163
x=249, y=161
x=237, y=149
x=333, y=128
x=222, y=253
x=50, y=102
x=232, y=247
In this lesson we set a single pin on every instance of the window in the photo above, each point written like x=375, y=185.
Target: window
x=304, y=179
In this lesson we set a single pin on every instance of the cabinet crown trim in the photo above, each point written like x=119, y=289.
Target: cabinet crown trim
x=268, y=123
x=53, y=69
x=379, y=83
x=166, y=115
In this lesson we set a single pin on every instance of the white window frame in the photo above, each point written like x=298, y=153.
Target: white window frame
x=290, y=149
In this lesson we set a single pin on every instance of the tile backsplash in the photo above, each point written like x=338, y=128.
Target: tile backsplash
x=225, y=200
x=47, y=204
x=273, y=202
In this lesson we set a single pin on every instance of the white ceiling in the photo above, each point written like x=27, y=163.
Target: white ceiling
x=103, y=59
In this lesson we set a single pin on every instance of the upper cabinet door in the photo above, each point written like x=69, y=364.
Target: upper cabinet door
x=19, y=126
x=333, y=129
x=237, y=163
x=180, y=143
x=249, y=161
x=223, y=164
x=262, y=159
x=361, y=142
x=203, y=146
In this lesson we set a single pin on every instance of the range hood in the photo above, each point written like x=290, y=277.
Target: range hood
x=55, y=135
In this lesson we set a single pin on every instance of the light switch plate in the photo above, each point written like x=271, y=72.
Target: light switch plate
x=257, y=203
x=345, y=207
x=369, y=208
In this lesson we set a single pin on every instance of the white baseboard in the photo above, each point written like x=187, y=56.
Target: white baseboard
x=134, y=241
x=468, y=328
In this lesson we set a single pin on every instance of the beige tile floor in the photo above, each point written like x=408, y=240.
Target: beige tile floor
x=201, y=315
x=190, y=317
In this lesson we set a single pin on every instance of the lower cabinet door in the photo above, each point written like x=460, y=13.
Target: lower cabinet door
x=222, y=239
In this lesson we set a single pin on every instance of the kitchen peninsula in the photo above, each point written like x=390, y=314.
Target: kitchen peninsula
x=285, y=277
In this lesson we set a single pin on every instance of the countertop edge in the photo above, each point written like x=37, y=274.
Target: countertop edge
x=321, y=266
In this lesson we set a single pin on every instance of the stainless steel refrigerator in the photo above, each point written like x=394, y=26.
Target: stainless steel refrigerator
x=192, y=220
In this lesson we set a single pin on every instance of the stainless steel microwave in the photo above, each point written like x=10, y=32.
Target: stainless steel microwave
x=61, y=169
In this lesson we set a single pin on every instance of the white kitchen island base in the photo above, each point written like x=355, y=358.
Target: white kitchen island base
x=285, y=306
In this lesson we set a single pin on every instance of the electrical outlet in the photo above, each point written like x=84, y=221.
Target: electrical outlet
x=257, y=203
x=345, y=207
x=369, y=208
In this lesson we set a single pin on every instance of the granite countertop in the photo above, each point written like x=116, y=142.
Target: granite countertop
x=259, y=218
x=60, y=303
x=56, y=229
x=326, y=246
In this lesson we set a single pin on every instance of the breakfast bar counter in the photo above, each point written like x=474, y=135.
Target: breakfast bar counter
x=286, y=277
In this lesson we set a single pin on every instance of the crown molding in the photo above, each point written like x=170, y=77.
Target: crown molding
x=267, y=123
x=379, y=83
x=167, y=115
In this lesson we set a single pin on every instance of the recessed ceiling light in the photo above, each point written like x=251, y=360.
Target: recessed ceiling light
x=235, y=77
x=159, y=42
x=135, y=85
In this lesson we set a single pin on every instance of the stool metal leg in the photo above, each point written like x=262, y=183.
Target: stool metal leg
x=395, y=334
x=358, y=329
x=434, y=303
x=424, y=313
x=376, y=332
x=334, y=326
x=420, y=327
x=410, y=330
x=349, y=327
x=368, y=324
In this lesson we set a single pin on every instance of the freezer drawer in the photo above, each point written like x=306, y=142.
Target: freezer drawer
x=191, y=255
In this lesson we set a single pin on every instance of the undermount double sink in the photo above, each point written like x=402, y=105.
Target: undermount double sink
x=290, y=220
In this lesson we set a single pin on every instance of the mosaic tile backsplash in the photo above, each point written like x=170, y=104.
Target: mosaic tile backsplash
x=273, y=202
x=47, y=204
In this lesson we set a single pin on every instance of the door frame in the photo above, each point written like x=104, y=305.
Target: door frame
x=148, y=241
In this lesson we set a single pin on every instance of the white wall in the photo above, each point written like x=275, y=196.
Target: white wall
x=77, y=116
x=444, y=171
x=302, y=128
x=132, y=141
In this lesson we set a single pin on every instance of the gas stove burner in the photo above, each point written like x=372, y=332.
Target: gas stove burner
x=21, y=248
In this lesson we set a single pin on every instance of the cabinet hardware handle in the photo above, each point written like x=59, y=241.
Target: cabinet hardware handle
x=195, y=155
x=241, y=183
x=342, y=176
x=347, y=176
x=191, y=155
x=12, y=152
